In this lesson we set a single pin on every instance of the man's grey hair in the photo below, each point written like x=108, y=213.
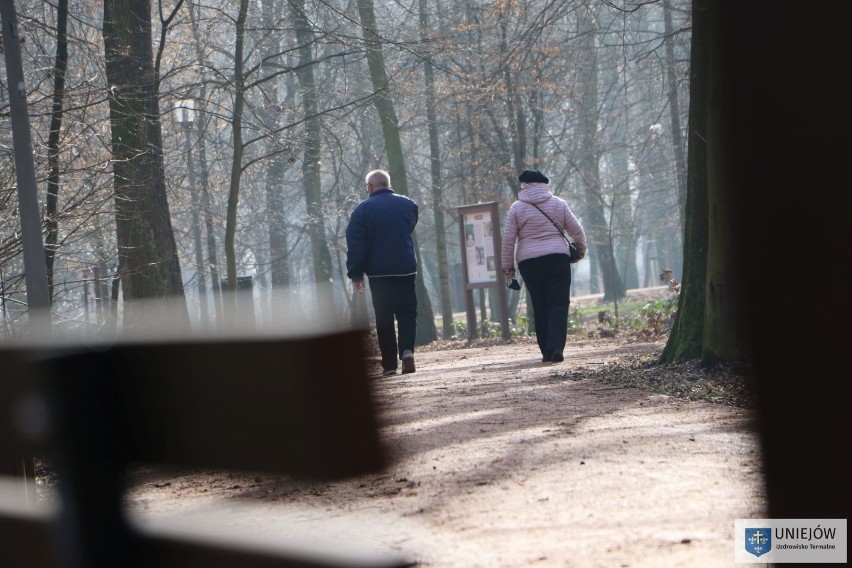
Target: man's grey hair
x=378, y=178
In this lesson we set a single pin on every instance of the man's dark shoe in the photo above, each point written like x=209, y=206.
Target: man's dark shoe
x=407, y=362
x=557, y=357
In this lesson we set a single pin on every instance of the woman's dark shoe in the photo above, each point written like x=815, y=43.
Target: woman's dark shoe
x=557, y=357
x=547, y=356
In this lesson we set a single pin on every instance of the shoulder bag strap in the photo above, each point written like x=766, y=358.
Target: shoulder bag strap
x=554, y=224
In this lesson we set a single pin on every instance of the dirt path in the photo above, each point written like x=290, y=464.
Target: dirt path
x=502, y=461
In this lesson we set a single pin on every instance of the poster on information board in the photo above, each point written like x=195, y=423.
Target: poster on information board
x=479, y=247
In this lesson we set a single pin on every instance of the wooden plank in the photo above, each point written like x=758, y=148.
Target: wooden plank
x=300, y=406
x=22, y=409
x=187, y=547
x=31, y=535
x=25, y=528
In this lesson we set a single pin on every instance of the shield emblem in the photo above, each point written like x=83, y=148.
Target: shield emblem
x=758, y=541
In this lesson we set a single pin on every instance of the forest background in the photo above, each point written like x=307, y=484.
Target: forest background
x=293, y=102
x=185, y=148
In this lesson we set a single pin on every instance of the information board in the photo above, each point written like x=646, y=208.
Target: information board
x=479, y=233
x=479, y=247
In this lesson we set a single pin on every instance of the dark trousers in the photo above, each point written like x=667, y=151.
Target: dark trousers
x=548, y=279
x=394, y=297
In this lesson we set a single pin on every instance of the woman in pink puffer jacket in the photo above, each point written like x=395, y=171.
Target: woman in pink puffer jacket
x=536, y=223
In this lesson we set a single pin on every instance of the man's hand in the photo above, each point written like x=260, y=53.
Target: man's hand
x=509, y=273
x=358, y=286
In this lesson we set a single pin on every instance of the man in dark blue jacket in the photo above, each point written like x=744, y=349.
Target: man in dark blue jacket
x=380, y=244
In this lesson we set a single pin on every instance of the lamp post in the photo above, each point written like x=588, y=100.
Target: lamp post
x=185, y=116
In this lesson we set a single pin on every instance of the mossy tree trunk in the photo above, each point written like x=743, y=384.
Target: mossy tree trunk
x=687, y=336
x=146, y=245
x=723, y=334
x=426, y=330
x=709, y=321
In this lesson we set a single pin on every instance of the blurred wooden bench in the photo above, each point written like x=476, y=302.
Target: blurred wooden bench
x=275, y=405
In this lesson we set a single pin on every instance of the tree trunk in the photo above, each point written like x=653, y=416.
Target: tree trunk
x=51, y=203
x=722, y=332
x=437, y=181
x=597, y=229
x=311, y=162
x=785, y=153
x=279, y=246
x=276, y=213
x=204, y=175
x=277, y=219
x=359, y=312
x=30, y=235
x=623, y=213
x=674, y=108
x=687, y=336
x=200, y=269
x=426, y=331
x=514, y=108
x=230, y=300
x=146, y=244
x=537, y=112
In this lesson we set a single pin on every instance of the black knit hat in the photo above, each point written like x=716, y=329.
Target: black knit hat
x=533, y=176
